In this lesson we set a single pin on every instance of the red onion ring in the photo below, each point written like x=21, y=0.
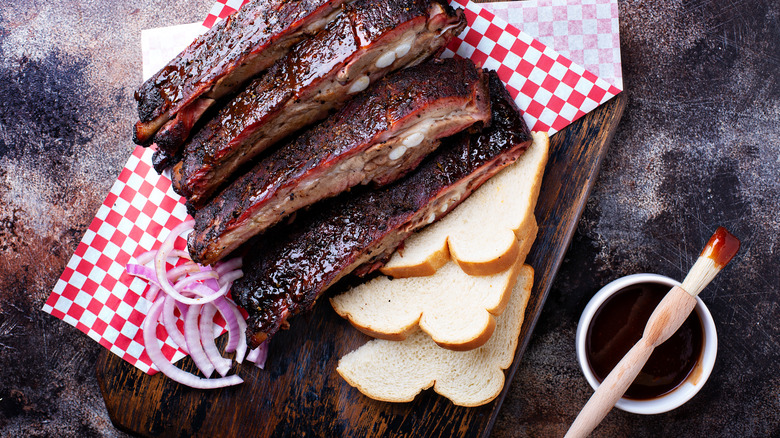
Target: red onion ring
x=199, y=292
x=229, y=265
x=150, y=274
x=166, y=367
x=221, y=364
x=233, y=317
x=200, y=276
x=148, y=256
x=259, y=355
x=169, y=321
x=253, y=355
x=151, y=294
x=242, y=346
x=229, y=277
x=234, y=330
x=159, y=266
x=178, y=271
x=192, y=336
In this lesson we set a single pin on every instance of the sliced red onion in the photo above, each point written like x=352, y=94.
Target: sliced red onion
x=199, y=289
x=200, y=276
x=234, y=330
x=150, y=274
x=199, y=292
x=183, y=269
x=147, y=274
x=192, y=337
x=230, y=276
x=259, y=355
x=159, y=266
x=200, y=299
x=182, y=309
x=221, y=292
x=207, y=293
x=182, y=254
x=148, y=256
x=242, y=347
x=253, y=354
x=229, y=265
x=212, y=282
x=235, y=322
x=169, y=321
x=262, y=356
x=162, y=314
x=207, y=339
x=240, y=322
x=144, y=272
x=166, y=367
x=151, y=294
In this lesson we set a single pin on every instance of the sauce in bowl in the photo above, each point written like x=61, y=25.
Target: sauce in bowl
x=618, y=324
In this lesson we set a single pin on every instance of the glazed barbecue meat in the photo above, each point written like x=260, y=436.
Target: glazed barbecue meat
x=368, y=40
x=377, y=137
x=220, y=61
x=289, y=267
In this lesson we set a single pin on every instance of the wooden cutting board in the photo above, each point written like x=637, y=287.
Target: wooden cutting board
x=300, y=394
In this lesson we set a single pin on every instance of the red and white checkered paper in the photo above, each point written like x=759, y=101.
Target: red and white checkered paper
x=585, y=31
x=98, y=297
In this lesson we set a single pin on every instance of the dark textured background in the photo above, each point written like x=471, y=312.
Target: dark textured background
x=698, y=147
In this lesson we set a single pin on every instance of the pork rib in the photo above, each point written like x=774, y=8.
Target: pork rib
x=288, y=268
x=377, y=137
x=369, y=39
x=221, y=60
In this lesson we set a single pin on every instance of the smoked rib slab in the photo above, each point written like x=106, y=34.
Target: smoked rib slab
x=368, y=40
x=220, y=61
x=289, y=267
x=379, y=136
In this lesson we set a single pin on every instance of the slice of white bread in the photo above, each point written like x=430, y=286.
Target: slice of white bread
x=455, y=309
x=488, y=231
x=397, y=371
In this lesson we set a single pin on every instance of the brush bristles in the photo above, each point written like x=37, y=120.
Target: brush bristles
x=700, y=275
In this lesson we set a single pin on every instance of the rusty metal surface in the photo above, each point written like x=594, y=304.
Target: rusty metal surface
x=699, y=146
x=67, y=73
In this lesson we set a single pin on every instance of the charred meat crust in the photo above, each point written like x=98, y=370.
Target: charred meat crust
x=356, y=145
x=234, y=50
x=318, y=76
x=290, y=266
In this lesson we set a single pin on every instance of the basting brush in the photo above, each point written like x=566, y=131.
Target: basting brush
x=667, y=317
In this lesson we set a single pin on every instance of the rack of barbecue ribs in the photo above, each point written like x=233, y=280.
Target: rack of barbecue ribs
x=379, y=136
x=287, y=268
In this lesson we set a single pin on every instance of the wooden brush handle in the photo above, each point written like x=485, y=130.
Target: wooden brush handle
x=667, y=318
x=610, y=391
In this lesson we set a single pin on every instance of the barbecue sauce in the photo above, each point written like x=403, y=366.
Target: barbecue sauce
x=619, y=323
x=722, y=247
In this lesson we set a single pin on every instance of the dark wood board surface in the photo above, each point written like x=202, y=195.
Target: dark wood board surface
x=300, y=394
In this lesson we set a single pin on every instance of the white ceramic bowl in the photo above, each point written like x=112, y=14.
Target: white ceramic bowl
x=695, y=380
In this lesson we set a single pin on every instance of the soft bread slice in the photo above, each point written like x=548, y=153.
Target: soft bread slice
x=455, y=309
x=488, y=231
x=398, y=371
